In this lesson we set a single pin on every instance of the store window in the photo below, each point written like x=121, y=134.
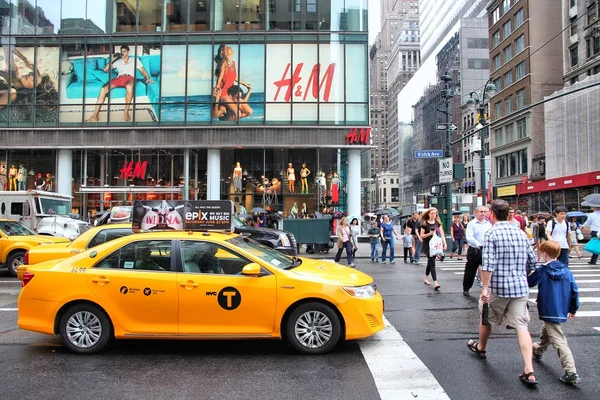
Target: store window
x=200, y=12
x=356, y=14
x=125, y=15
x=176, y=15
x=150, y=15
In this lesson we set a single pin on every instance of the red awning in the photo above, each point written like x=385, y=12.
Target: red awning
x=565, y=182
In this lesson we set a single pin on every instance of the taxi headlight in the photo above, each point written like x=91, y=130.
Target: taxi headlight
x=363, y=292
x=284, y=240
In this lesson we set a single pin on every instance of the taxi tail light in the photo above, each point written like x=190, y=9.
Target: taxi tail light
x=26, y=257
x=27, y=277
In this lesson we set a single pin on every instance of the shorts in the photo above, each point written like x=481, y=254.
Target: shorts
x=121, y=81
x=510, y=311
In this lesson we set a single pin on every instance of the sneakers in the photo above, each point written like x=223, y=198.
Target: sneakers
x=376, y=260
x=383, y=261
x=570, y=378
x=466, y=293
x=591, y=263
x=352, y=265
x=392, y=262
x=372, y=260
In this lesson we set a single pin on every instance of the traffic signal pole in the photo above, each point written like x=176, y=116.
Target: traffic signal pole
x=448, y=94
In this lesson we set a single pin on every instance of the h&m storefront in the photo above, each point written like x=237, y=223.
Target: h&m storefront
x=121, y=103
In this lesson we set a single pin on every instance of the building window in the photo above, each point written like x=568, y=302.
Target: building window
x=574, y=56
x=509, y=133
x=496, y=38
x=574, y=25
x=519, y=18
x=521, y=99
x=495, y=15
x=507, y=53
x=501, y=166
x=508, y=78
x=497, y=110
x=523, y=161
x=497, y=62
x=522, y=128
x=508, y=105
x=507, y=28
x=592, y=15
x=573, y=3
x=499, y=137
x=593, y=46
x=498, y=84
x=506, y=7
x=478, y=63
x=520, y=70
x=520, y=44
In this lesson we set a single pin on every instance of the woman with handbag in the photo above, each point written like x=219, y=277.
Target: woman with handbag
x=434, y=243
x=576, y=235
x=388, y=233
x=344, y=242
x=355, y=232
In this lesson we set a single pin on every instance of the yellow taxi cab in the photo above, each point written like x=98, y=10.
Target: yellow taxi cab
x=90, y=238
x=16, y=239
x=197, y=285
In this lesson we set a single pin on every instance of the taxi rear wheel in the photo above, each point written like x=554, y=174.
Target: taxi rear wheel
x=313, y=328
x=14, y=261
x=85, y=329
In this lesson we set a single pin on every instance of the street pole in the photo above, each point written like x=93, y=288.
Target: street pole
x=448, y=94
x=483, y=171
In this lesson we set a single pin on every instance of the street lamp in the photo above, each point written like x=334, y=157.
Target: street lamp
x=447, y=94
x=479, y=102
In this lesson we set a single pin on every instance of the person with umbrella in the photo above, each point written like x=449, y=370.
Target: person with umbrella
x=593, y=221
x=575, y=231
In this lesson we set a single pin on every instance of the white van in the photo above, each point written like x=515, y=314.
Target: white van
x=46, y=213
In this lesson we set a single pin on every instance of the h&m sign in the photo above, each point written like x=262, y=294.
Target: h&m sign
x=358, y=136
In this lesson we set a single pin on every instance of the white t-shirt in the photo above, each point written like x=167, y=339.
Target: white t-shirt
x=124, y=68
x=559, y=233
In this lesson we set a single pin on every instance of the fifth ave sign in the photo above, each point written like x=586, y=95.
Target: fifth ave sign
x=445, y=170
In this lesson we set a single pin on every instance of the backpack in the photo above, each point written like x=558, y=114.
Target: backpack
x=553, y=220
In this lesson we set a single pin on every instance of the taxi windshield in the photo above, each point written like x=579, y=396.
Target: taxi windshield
x=10, y=228
x=275, y=258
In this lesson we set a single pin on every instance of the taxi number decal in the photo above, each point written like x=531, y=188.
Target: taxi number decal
x=79, y=270
x=229, y=298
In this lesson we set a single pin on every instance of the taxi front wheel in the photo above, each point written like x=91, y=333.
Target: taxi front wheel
x=85, y=329
x=313, y=328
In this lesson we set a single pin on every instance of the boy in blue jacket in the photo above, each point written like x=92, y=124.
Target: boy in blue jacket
x=557, y=300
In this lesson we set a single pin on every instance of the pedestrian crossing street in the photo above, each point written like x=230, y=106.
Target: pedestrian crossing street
x=587, y=277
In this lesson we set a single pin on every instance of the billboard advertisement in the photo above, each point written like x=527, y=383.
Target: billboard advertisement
x=182, y=215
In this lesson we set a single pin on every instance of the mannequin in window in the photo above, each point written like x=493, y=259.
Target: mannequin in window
x=304, y=173
x=294, y=211
x=22, y=177
x=39, y=181
x=291, y=176
x=304, y=211
x=335, y=188
x=12, y=178
x=322, y=182
x=48, y=182
x=237, y=177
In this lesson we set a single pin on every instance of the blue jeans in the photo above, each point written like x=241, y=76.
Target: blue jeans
x=348, y=246
x=374, y=251
x=417, y=255
x=563, y=257
x=384, y=245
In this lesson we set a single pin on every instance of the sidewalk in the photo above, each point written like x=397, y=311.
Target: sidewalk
x=363, y=252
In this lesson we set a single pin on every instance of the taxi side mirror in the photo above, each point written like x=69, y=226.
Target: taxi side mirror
x=252, y=269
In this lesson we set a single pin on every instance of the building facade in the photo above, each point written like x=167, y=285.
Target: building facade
x=159, y=99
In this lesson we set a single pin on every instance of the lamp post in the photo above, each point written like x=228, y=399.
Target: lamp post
x=447, y=94
x=479, y=102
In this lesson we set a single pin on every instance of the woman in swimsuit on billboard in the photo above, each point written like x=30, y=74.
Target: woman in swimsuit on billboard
x=227, y=75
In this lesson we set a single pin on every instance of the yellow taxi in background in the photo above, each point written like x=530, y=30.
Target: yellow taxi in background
x=197, y=285
x=16, y=239
x=90, y=238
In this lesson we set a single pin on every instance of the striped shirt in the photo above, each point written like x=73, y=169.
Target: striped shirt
x=509, y=256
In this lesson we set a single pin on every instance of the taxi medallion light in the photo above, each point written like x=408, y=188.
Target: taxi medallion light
x=363, y=292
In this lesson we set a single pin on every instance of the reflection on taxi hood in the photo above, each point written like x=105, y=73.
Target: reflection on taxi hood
x=40, y=239
x=331, y=273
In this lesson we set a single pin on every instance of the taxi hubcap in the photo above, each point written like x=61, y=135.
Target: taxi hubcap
x=313, y=329
x=84, y=329
x=16, y=262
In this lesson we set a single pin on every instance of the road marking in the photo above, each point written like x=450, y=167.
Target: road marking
x=597, y=328
x=581, y=300
x=8, y=309
x=588, y=289
x=579, y=281
x=397, y=371
x=587, y=314
x=19, y=282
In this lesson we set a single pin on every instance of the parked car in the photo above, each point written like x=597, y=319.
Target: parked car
x=282, y=241
x=152, y=285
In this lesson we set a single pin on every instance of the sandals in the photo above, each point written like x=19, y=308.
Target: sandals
x=474, y=347
x=427, y=283
x=524, y=377
x=438, y=287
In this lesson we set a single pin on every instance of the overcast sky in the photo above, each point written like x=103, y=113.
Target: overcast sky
x=373, y=8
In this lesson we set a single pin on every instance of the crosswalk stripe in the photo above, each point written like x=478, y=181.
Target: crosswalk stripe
x=581, y=300
x=585, y=275
x=588, y=314
x=589, y=289
x=8, y=309
x=579, y=281
x=597, y=328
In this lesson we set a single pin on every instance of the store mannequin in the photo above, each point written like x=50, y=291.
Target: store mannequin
x=335, y=188
x=304, y=173
x=322, y=182
x=12, y=177
x=237, y=177
x=291, y=176
x=294, y=211
x=48, y=182
x=39, y=181
x=304, y=211
x=22, y=177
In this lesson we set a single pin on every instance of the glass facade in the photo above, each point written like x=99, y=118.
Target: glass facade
x=125, y=63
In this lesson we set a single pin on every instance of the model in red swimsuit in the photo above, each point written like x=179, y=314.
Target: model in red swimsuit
x=229, y=76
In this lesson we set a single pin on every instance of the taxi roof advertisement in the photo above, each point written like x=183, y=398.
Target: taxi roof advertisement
x=182, y=215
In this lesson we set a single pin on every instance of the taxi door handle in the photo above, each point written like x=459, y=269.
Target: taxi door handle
x=100, y=280
x=188, y=284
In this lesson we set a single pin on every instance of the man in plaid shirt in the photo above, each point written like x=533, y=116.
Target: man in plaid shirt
x=507, y=260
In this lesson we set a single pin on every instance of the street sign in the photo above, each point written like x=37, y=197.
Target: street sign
x=429, y=153
x=442, y=127
x=445, y=170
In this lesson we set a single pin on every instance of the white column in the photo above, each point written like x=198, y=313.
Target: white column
x=186, y=174
x=213, y=174
x=64, y=173
x=353, y=184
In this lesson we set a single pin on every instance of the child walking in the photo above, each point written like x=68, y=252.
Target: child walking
x=407, y=241
x=374, y=239
x=557, y=300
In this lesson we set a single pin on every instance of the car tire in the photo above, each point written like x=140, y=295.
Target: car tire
x=309, y=338
x=14, y=261
x=96, y=330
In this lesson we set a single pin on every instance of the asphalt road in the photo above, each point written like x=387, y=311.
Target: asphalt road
x=433, y=326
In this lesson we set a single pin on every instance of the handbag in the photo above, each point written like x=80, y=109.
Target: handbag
x=436, y=247
x=579, y=234
x=593, y=246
